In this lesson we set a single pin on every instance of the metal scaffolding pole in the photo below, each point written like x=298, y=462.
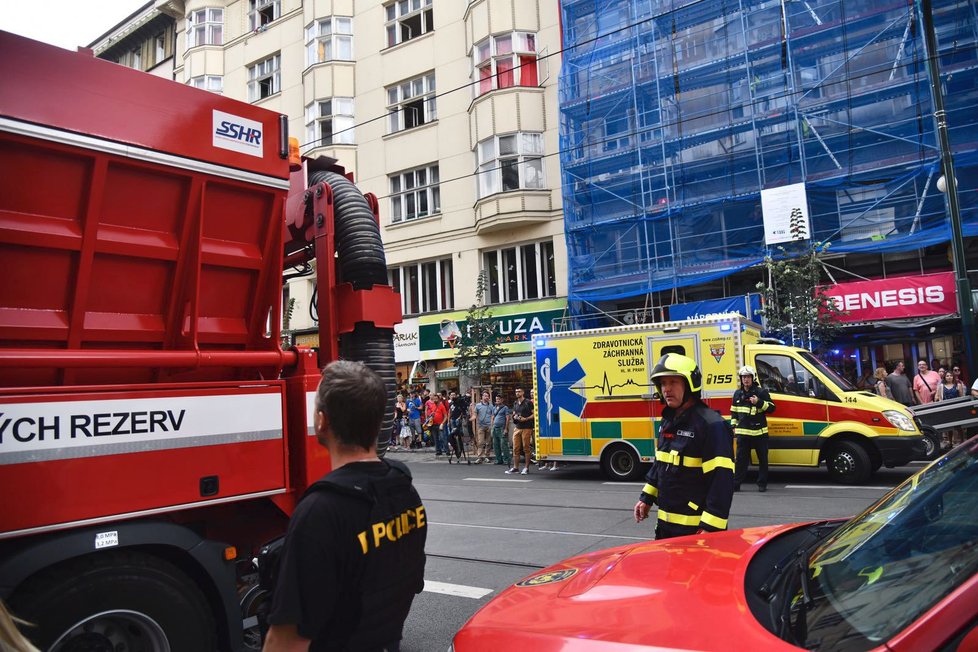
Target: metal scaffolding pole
x=965, y=303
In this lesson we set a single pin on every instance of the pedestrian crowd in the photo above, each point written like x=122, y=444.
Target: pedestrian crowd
x=497, y=433
x=933, y=382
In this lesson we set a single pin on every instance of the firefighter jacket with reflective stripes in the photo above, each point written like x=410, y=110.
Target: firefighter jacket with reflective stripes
x=748, y=418
x=691, y=479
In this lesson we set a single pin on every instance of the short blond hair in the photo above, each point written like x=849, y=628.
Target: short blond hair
x=880, y=373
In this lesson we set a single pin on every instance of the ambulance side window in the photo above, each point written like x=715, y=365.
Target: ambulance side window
x=777, y=373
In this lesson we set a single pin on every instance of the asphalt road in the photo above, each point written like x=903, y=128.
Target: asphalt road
x=489, y=530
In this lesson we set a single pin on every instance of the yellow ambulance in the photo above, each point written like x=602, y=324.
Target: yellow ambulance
x=596, y=403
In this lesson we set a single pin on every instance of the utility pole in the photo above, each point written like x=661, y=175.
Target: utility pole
x=962, y=286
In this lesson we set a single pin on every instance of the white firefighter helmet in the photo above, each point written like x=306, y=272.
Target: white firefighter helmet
x=747, y=370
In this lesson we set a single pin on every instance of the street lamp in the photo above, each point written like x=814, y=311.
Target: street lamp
x=963, y=288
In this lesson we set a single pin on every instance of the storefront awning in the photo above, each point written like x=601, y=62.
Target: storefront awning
x=506, y=364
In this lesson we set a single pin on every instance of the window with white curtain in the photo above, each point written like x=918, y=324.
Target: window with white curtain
x=424, y=287
x=329, y=39
x=510, y=162
x=520, y=273
x=205, y=27
x=330, y=122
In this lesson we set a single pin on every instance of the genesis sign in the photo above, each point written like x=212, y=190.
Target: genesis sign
x=237, y=134
x=895, y=298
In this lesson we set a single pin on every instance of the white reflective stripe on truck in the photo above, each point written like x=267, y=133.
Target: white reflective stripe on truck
x=138, y=153
x=40, y=431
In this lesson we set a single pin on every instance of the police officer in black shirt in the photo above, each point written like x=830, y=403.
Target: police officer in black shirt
x=354, y=553
x=691, y=479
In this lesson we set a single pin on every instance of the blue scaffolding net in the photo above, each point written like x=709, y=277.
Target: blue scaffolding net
x=676, y=115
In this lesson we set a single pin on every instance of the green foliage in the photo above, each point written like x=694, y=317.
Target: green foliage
x=796, y=307
x=478, y=350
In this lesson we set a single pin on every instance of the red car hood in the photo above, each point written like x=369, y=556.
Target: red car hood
x=679, y=594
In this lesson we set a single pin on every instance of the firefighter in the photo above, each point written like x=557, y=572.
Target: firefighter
x=354, y=556
x=691, y=479
x=751, y=404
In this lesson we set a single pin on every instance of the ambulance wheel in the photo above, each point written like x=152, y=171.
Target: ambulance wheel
x=115, y=601
x=621, y=463
x=848, y=463
x=932, y=442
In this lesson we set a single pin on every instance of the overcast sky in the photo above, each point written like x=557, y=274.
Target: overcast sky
x=65, y=23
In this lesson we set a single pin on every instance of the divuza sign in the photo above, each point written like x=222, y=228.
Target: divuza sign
x=895, y=298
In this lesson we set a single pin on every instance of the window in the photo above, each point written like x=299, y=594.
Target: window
x=329, y=39
x=159, y=48
x=520, y=273
x=205, y=27
x=330, y=122
x=510, y=162
x=411, y=103
x=262, y=12
x=408, y=19
x=781, y=374
x=424, y=287
x=136, y=59
x=212, y=83
x=415, y=194
x=264, y=78
x=505, y=60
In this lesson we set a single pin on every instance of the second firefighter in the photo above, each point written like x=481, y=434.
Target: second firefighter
x=748, y=416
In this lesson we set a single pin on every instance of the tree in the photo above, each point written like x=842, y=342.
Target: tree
x=478, y=350
x=796, y=307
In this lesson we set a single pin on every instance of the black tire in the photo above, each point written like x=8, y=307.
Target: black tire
x=932, y=443
x=848, y=463
x=115, y=601
x=621, y=464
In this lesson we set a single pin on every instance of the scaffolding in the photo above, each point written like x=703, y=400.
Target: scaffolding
x=676, y=114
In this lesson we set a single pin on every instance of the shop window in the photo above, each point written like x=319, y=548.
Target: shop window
x=424, y=287
x=408, y=19
x=505, y=60
x=520, y=273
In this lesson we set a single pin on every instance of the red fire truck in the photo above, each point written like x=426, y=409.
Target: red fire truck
x=153, y=432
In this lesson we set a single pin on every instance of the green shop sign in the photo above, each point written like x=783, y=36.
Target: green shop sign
x=515, y=325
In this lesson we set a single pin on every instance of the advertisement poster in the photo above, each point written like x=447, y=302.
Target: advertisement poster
x=785, y=214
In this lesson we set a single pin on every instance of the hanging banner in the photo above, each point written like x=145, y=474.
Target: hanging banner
x=895, y=298
x=785, y=211
x=749, y=306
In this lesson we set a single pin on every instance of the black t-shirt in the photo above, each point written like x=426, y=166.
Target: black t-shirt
x=353, y=559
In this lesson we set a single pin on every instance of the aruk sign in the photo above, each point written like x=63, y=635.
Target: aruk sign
x=895, y=298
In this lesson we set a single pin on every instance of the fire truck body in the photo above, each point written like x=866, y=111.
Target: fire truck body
x=153, y=432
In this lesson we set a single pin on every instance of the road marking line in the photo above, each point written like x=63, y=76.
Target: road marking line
x=458, y=590
x=626, y=484
x=522, y=529
x=831, y=486
x=496, y=480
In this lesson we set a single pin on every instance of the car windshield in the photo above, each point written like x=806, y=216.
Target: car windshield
x=883, y=569
x=835, y=378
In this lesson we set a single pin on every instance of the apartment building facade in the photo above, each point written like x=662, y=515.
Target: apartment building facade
x=447, y=112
